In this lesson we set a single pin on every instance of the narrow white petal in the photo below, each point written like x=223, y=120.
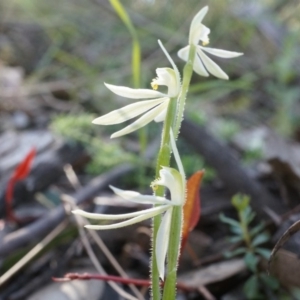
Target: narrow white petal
x=162, y=242
x=142, y=121
x=176, y=154
x=127, y=112
x=221, y=53
x=95, y=216
x=183, y=53
x=139, y=198
x=161, y=117
x=199, y=68
x=197, y=21
x=134, y=93
x=211, y=66
x=172, y=63
x=140, y=218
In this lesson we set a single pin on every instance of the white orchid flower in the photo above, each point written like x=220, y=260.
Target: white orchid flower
x=202, y=63
x=154, y=109
x=170, y=178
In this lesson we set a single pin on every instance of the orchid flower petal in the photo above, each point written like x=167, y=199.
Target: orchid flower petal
x=184, y=53
x=161, y=117
x=162, y=242
x=199, y=68
x=142, y=121
x=173, y=180
x=196, y=22
x=96, y=216
x=134, y=93
x=127, y=112
x=220, y=52
x=211, y=66
x=139, y=198
x=160, y=209
x=177, y=74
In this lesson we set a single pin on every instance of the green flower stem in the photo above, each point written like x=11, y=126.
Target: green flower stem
x=173, y=253
x=245, y=231
x=163, y=159
x=187, y=75
x=169, y=292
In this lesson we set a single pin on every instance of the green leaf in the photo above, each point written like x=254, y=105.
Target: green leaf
x=251, y=261
x=249, y=214
x=265, y=253
x=258, y=228
x=270, y=281
x=235, y=239
x=251, y=288
x=239, y=251
x=229, y=221
x=260, y=239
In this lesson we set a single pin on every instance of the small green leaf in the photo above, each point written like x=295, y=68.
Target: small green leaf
x=251, y=288
x=229, y=221
x=251, y=261
x=249, y=214
x=265, y=253
x=235, y=239
x=239, y=251
x=258, y=228
x=260, y=239
x=236, y=230
x=270, y=281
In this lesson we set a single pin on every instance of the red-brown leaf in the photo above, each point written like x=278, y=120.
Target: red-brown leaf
x=192, y=208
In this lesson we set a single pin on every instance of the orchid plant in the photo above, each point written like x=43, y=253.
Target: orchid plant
x=167, y=108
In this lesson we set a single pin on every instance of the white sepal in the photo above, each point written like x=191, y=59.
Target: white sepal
x=162, y=242
x=95, y=216
x=134, y=93
x=127, y=112
x=143, y=216
x=220, y=52
x=211, y=66
x=143, y=120
x=139, y=198
x=195, y=24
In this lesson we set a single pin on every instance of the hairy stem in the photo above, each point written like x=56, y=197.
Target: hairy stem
x=187, y=75
x=162, y=160
x=173, y=254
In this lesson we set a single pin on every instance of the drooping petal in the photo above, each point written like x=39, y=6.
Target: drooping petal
x=183, y=53
x=134, y=93
x=162, y=242
x=96, y=216
x=196, y=22
x=221, y=53
x=142, y=121
x=211, y=66
x=177, y=74
x=127, y=112
x=173, y=180
x=199, y=68
x=160, y=209
x=139, y=198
